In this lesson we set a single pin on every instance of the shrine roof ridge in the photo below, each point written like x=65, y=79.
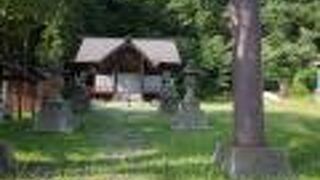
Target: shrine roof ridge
x=157, y=50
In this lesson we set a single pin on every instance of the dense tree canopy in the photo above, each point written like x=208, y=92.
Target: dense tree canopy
x=291, y=32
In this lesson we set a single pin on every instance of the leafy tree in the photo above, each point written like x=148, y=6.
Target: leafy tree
x=20, y=20
x=291, y=32
x=290, y=36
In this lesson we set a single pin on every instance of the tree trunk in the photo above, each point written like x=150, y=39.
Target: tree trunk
x=20, y=94
x=247, y=74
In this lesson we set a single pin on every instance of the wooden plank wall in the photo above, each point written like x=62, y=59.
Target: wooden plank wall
x=23, y=95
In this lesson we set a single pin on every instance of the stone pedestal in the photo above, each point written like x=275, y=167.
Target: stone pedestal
x=189, y=116
x=55, y=116
x=252, y=161
x=7, y=163
x=168, y=105
x=80, y=99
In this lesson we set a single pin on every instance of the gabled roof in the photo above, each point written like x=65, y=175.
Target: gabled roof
x=95, y=50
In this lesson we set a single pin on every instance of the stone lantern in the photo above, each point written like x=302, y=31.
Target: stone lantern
x=169, y=99
x=189, y=114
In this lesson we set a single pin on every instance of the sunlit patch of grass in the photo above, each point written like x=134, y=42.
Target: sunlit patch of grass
x=118, y=142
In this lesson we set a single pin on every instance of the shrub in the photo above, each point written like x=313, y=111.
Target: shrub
x=304, y=82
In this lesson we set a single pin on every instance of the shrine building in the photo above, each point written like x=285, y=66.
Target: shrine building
x=126, y=68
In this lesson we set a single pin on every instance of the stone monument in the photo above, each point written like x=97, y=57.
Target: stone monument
x=79, y=97
x=189, y=115
x=7, y=162
x=55, y=114
x=80, y=100
x=169, y=97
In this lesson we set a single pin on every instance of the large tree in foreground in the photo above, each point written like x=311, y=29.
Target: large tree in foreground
x=247, y=75
x=249, y=154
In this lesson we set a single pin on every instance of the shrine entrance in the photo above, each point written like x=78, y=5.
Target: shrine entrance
x=129, y=86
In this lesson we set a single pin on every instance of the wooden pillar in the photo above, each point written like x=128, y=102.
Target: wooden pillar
x=20, y=96
x=34, y=100
x=2, y=99
x=142, y=74
x=116, y=72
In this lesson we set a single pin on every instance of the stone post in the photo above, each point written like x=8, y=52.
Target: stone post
x=168, y=99
x=249, y=154
x=79, y=98
x=189, y=116
x=55, y=114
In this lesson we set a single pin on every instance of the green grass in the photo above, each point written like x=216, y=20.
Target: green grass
x=119, y=143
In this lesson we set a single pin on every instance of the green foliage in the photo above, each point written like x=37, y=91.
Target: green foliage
x=19, y=20
x=298, y=89
x=304, y=82
x=291, y=31
x=59, y=38
x=216, y=59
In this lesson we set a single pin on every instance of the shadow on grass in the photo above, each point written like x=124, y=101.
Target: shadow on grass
x=141, y=142
x=300, y=135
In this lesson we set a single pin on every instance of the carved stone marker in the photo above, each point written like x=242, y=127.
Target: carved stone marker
x=189, y=115
x=169, y=99
x=55, y=115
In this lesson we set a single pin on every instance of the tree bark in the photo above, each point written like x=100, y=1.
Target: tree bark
x=247, y=74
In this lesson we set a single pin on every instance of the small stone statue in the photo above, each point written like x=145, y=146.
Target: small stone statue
x=189, y=115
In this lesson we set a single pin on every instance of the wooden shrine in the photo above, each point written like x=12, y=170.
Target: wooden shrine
x=125, y=69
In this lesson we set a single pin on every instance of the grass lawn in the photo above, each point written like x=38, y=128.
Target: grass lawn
x=118, y=142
